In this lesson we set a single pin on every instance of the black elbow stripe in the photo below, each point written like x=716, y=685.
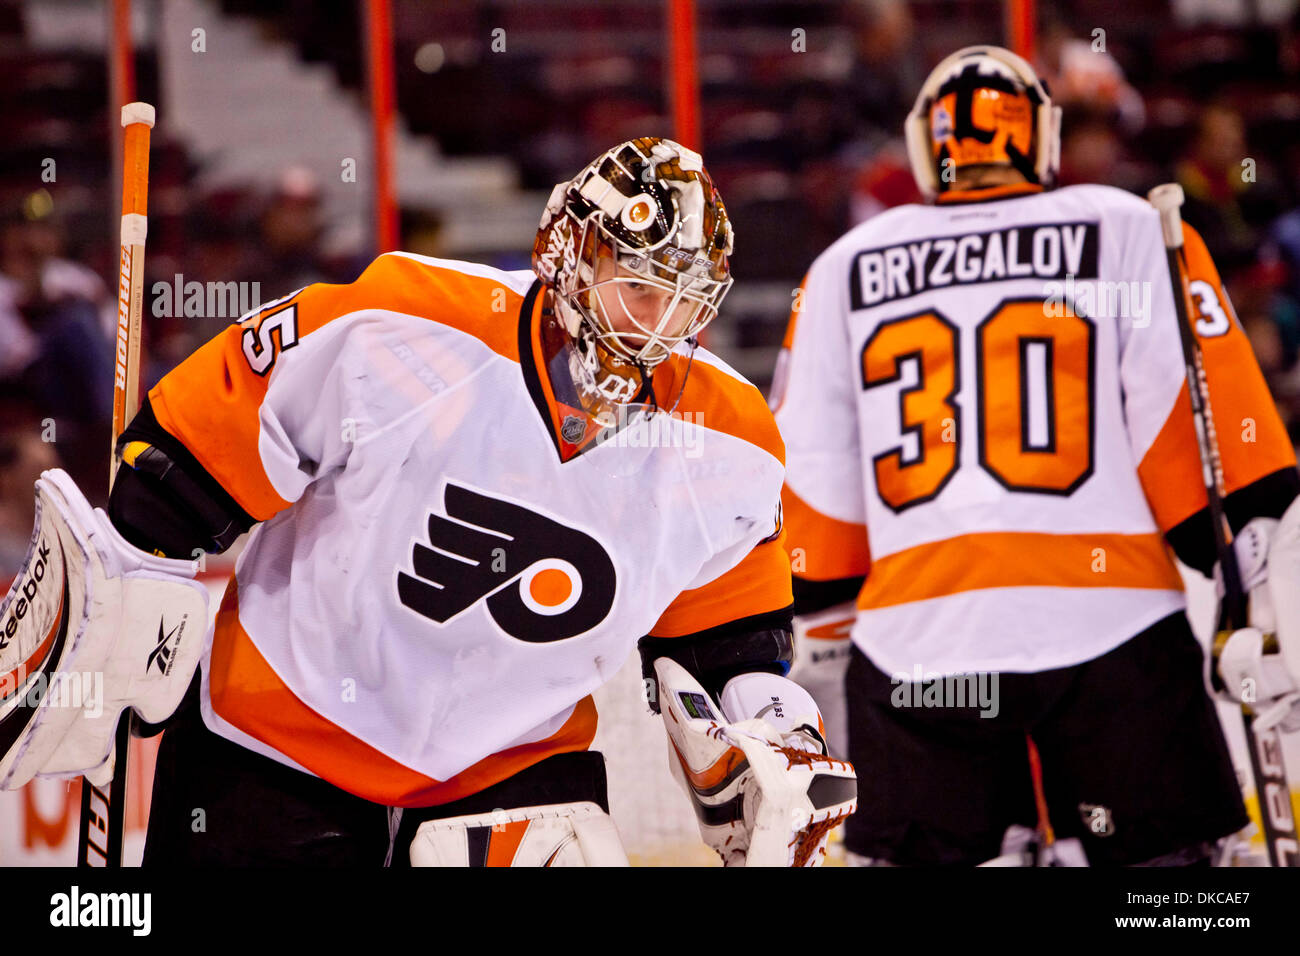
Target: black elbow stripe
x=1193, y=538
x=813, y=596
x=164, y=474
x=145, y=513
x=759, y=643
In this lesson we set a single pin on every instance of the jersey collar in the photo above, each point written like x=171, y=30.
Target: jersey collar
x=957, y=197
x=554, y=395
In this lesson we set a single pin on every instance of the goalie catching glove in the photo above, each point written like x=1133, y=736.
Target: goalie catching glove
x=91, y=626
x=1253, y=671
x=765, y=790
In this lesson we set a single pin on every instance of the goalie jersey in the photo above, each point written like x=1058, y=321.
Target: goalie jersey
x=448, y=564
x=985, y=411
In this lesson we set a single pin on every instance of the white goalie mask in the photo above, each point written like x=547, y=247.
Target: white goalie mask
x=635, y=249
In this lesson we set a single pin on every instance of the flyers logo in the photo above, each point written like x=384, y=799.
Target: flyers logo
x=542, y=581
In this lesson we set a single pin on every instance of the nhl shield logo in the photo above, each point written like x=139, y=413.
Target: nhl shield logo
x=940, y=123
x=572, y=429
x=1098, y=819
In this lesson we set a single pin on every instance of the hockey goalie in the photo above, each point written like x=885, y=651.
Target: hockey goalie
x=992, y=460
x=473, y=491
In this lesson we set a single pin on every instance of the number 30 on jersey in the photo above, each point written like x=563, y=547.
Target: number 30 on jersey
x=1034, y=400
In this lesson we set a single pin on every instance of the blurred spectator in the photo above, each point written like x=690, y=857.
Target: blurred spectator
x=422, y=233
x=1092, y=151
x=1231, y=13
x=887, y=70
x=23, y=456
x=1278, y=275
x=64, y=364
x=1083, y=78
x=215, y=248
x=883, y=183
x=1212, y=176
x=1288, y=47
x=1279, y=260
x=288, y=253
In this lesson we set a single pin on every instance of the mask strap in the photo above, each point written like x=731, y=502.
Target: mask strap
x=690, y=360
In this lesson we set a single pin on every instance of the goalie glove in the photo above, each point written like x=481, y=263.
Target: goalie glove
x=91, y=626
x=765, y=790
x=1259, y=665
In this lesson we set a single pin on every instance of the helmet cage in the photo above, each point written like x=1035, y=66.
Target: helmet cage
x=636, y=249
x=638, y=308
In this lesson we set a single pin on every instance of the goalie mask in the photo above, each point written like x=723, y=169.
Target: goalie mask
x=635, y=250
x=983, y=106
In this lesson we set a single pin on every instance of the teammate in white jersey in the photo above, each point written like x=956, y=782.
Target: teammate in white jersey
x=990, y=452
x=474, y=491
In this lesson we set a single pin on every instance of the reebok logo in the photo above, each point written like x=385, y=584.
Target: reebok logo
x=541, y=580
x=162, y=654
x=25, y=596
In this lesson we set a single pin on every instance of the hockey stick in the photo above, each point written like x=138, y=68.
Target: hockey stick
x=1265, y=748
x=1045, y=849
x=99, y=841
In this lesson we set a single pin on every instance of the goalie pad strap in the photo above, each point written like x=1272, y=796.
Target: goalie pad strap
x=759, y=643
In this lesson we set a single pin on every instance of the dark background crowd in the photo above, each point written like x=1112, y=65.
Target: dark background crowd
x=802, y=106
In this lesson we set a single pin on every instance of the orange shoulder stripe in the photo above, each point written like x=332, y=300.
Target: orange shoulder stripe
x=477, y=305
x=247, y=693
x=211, y=401
x=719, y=401
x=758, y=584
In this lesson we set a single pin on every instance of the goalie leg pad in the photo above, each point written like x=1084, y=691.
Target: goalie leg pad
x=91, y=626
x=566, y=834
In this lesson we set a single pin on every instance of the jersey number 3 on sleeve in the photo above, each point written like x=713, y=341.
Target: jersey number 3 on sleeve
x=1034, y=400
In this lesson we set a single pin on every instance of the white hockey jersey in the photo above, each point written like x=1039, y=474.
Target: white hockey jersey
x=449, y=563
x=985, y=412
